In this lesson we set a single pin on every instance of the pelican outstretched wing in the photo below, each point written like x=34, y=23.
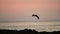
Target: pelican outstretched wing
x=35, y=16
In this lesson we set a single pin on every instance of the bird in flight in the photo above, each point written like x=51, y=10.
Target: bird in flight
x=35, y=16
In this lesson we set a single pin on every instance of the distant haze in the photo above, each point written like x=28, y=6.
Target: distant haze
x=22, y=10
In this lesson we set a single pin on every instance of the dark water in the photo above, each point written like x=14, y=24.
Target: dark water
x=26, y=31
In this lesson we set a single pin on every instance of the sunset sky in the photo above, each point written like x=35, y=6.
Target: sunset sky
x=22, y=10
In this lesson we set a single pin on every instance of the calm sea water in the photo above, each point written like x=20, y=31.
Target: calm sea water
x=39, y=26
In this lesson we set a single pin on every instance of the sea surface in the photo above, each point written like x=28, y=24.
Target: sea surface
x=38, y=26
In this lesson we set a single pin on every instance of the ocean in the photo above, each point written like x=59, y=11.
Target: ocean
x=38, y=26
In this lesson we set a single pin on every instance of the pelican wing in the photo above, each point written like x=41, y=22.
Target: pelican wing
x=35, y=16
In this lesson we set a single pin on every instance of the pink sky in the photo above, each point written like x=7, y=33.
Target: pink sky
x=46, y=9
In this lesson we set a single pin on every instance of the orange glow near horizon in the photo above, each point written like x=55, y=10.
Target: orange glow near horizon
x=19, y=8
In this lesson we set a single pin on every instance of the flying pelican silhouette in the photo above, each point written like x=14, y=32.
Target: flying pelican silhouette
x=35, y=16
